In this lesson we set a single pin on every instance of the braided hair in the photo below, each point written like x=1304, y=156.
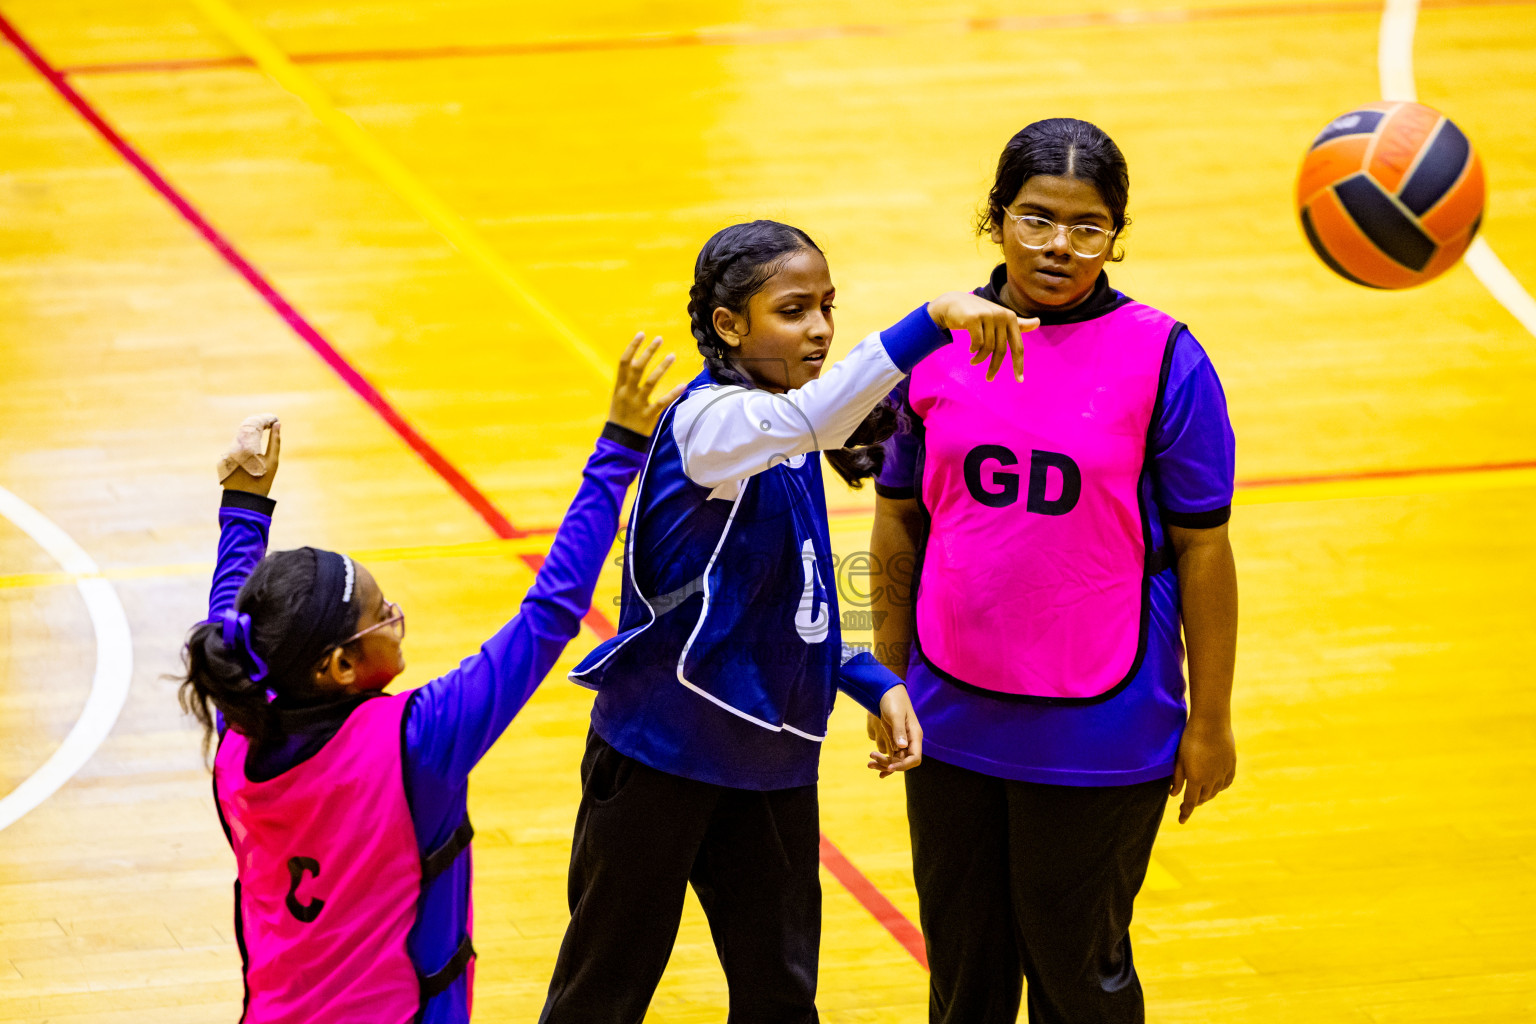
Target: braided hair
x=733, y=266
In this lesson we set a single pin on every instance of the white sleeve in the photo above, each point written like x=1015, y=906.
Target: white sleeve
x=731, y=433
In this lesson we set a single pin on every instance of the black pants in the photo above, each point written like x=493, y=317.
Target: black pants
x=642, y=836
x=1017, y=881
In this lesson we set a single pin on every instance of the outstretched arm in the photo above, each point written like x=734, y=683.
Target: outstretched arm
x=245, y=516
x=455, y=719
x=731, y=433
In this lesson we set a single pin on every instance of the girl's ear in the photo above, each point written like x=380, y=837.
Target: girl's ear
x=729, y=326
x=995, y=233
x=337, y=672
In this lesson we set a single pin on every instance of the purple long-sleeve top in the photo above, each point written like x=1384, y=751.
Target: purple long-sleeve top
x=452, y=721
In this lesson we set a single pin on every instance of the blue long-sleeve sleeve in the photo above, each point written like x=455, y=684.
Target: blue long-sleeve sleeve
x=912, y=338
x=244, y=522
x=454, y=720
x=866, y=680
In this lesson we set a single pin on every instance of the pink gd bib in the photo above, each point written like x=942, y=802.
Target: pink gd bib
x=1035, y=572
x=329, y=876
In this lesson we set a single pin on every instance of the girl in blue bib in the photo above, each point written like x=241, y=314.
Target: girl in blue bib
x=713, y=699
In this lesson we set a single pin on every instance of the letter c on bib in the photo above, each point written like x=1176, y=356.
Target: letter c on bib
x=297, y=867
x=1008, y=482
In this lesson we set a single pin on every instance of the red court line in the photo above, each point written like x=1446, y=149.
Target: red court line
x=364, y=389
x=302, y=327
x=862, y=888
x=874, y=901
x=1385, y=474
x=762, y=37
x=1319, y=478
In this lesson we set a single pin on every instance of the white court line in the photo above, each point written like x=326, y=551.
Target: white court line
x=1394, y=64
x=114, y=661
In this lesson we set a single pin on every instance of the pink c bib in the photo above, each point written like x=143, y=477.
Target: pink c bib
x=1034, y=574
x=330, y=876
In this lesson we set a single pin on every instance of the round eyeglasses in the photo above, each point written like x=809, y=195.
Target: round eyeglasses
x=393, y=623
x=1036, y=232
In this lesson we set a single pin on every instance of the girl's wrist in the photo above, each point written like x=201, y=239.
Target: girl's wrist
x=627, y=436
x=914, y=337
x=1209, y=719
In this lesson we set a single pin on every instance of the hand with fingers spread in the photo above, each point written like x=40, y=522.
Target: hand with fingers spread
x=632, y=406
x=995, y=330
x=896, y=733
x=250, y=464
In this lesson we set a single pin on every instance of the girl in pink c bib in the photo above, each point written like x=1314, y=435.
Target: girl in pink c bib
x=346, y=807
x=1066, y=533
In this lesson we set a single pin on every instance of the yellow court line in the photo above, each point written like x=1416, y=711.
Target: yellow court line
x=844, y=522
x=37, y=579
x=538, y=545
x=265, y=55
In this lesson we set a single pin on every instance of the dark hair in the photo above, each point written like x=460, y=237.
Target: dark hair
x=733, y=266
x=218, y=675
x=1062, y=147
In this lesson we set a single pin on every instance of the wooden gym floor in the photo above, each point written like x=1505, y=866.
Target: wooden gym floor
x=1374, y=862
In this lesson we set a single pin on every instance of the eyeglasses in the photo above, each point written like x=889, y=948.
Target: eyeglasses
x=393, y=621
x=1035, y=232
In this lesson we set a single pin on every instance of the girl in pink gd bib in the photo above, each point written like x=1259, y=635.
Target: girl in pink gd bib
x=346, y=807
x=1063, y=531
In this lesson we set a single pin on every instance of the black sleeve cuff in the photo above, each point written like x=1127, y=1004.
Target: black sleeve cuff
x=887, y=491
x=1197, y=520
x=248, y=501
x=626, y=437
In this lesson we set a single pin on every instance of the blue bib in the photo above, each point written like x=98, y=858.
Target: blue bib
x=729, y=597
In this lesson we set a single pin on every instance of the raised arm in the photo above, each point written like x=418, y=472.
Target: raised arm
x=731, y=433
x=245, y=514
x=455, y=719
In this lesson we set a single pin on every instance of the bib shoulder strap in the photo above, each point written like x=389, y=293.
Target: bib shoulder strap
x=440, y=859
x=436, y=983
x=1162, y=558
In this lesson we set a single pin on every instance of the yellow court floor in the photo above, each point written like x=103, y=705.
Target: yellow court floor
x=477, y=203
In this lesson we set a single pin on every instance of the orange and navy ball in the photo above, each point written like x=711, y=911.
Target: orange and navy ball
x=1390, y=194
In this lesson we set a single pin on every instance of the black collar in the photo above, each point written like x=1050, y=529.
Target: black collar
x=1101, y=300
x=302, y=717
x=304, y=729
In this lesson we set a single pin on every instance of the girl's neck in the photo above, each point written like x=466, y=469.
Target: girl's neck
x=727, y=370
